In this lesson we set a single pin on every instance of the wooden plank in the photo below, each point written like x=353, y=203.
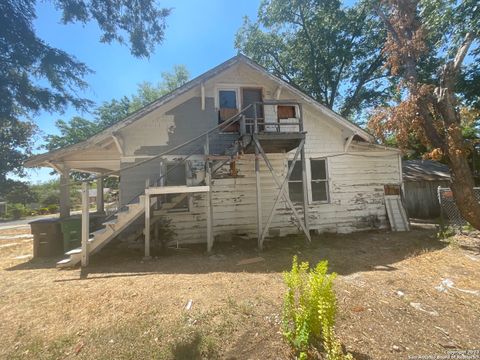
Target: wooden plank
x=176, y=190
x=396, y=213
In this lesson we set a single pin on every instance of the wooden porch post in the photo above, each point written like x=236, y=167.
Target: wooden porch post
x=208, y=182
x=147, y=220
x=257, y=181
x=85, y=223
x=259, y=198
x=64, y=192
x=304, y=175
x=100, y=198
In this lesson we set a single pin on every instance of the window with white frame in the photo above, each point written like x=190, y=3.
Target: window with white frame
x=319, y=179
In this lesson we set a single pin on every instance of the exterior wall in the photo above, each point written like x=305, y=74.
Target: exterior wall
x=356, y=177
x=356, y=192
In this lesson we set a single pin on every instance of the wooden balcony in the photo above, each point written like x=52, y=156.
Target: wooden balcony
x=273, y=142
x=274, y=135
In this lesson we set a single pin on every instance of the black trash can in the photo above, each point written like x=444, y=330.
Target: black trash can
x=47, y=237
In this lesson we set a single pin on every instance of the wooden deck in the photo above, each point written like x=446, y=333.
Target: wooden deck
x=275, y=142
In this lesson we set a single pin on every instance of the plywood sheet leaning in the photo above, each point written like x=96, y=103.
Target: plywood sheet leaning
x=397, y=215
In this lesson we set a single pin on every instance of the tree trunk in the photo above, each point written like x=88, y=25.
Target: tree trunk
x=462, y=183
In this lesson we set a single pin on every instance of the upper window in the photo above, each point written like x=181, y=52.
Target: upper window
x=227, y=99
x=285, y=112
x=319, y=179
x=295, y=186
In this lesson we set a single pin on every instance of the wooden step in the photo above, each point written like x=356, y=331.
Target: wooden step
x=74, y=251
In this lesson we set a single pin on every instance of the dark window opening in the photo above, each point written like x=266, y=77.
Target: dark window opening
x=319, y=182
x=227, y=99
x=228, y=107
x=177, y=176
x=295, y=185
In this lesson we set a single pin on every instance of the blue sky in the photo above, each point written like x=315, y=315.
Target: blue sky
x=200, y=35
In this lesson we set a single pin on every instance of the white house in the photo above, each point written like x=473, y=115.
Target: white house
x=216, y=153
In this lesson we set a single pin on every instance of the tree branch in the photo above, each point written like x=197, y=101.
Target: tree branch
x=387, y=23
x=462, y=52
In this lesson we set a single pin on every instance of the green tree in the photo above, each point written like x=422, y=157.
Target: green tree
x=18, y=192
x=148, y=92
x=35, y=76
x=329, y=51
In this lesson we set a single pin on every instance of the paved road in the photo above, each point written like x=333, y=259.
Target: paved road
x=24, y=222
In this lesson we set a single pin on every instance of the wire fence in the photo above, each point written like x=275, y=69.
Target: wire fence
x=449, y=209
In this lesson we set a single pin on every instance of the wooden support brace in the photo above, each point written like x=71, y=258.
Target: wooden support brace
x=281, y=193
x=348, y=142
x=285, y=195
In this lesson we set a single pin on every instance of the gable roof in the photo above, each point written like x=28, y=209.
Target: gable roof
x=240, y=58
x=425, y=170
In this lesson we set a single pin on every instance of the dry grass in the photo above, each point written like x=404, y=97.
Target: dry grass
x=123, y=308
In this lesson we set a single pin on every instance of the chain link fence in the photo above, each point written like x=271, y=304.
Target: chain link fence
x=449, y=209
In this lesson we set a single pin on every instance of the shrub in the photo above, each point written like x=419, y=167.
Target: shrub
x=52, y=198
x=42, y=211
x=16, y=211
x=309, y=310
x=166, y=232
x=52, y=209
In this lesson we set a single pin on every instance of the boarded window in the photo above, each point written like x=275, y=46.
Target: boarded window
x=177, y=176
x=295, y=186
x=285, y=112
x=319, y=182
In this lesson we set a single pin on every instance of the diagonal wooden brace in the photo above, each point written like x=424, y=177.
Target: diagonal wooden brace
x=280, y=193
x=279, y=184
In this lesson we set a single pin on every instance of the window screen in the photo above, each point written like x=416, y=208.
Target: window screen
x=295, y=186
x=319, y=177
x=227, y=99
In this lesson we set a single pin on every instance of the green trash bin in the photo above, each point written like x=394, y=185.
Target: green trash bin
x=47, y=238
x=72, y=232
x=72, y=229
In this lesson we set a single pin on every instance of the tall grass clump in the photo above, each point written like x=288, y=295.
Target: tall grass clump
x=309, y=311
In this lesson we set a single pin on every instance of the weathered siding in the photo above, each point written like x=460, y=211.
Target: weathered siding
x=356, y=199
x=421, y=198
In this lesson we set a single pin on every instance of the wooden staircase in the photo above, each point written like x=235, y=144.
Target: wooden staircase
x=112, y=228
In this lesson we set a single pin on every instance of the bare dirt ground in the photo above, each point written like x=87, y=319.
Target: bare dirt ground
x=399, y=295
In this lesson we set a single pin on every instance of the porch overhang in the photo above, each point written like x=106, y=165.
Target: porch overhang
x=103, y=158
